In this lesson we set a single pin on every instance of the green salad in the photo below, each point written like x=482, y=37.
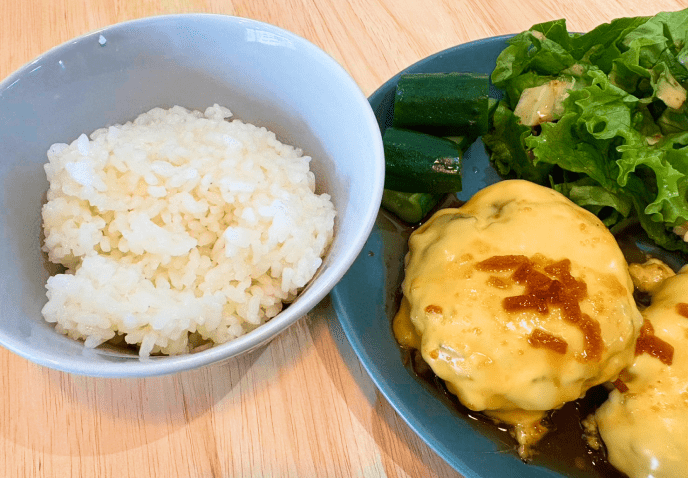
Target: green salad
x=601, y=117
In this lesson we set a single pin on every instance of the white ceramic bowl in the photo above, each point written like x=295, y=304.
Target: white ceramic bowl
x=265, y=75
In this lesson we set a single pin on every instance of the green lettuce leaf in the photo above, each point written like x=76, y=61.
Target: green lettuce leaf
x=509, y=154
x=536, y=50
x=656, y=231
x=602, y=45
x=561, y=144
x=668, y=161
x=610, y=206
x=620, y=149
x=659, y=40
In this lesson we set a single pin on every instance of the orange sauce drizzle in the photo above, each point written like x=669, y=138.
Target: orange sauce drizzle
x=649, y=343
x=620, y=386
x=554, y=286
x=433, y=309
x=682, y=309
x=541, y=339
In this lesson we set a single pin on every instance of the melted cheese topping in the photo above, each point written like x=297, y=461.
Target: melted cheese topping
x=648, y=276
x=645, y=428
x=457, y=310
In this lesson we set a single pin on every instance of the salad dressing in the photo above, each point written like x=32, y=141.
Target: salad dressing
x=671, y=93
x=544, y=103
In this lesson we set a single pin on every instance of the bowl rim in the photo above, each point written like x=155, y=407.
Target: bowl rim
x=321, y=285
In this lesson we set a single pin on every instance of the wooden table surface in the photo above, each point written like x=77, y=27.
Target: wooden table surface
x=302, y=406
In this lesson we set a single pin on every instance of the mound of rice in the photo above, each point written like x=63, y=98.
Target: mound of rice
x=178, y=229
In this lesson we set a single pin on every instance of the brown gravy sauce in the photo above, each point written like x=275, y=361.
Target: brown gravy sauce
x=538, y=338
x=563, y=449
x=682, y=309
x=553, y=287
x=649, y=343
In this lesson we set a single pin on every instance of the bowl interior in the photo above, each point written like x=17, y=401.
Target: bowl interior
x=265, y=75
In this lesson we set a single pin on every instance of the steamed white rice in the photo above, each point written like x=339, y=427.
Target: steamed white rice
x=179, y=228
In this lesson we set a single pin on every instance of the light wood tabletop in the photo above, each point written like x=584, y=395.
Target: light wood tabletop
x=302, y=406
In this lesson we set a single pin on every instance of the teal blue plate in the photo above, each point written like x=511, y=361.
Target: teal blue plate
x=366, y=299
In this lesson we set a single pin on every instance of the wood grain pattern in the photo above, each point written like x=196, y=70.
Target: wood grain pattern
x=301, y=406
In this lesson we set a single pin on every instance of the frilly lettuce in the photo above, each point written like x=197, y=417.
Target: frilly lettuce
x=620, y=149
